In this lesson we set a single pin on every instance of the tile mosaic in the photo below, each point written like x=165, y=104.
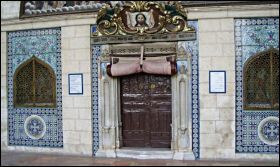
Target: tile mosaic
x=251, y=37
x=96, y=52
x=39, y=127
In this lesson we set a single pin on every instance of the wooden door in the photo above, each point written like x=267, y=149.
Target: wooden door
x=146, y=110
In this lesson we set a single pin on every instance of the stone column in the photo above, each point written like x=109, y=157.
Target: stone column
x=108, y=110
x=181, y=112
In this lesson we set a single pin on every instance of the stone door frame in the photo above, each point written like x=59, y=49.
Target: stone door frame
x=109, y=100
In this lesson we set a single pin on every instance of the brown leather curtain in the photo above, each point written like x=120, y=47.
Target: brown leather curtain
x=121, y=66
x=159, y=65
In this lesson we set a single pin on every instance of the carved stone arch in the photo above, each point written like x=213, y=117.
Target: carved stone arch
x=34, y=84
x=260, y=81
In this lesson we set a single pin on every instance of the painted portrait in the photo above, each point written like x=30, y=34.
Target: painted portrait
x=140, y=19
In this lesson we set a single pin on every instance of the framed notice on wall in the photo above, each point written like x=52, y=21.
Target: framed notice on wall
x=217, y=81
x=75, y=82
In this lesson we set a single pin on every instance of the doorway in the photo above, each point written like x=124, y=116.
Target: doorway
x=146, y=107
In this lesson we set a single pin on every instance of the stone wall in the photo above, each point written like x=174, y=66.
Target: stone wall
x=217, y=111
x=216, y=52
x=10, y=10
x=76, y=108
x=76, y=58
x=4, y=90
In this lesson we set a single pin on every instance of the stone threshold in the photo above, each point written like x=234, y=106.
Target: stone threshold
x=152, y=153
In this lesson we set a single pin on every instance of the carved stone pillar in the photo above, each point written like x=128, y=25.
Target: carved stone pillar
x=107, y=110
x=181, y=110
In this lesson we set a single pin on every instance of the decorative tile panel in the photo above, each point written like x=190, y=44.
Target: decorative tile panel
x=35, y=127
x=96, y=52
x=251, y=37
x=268, y=130
x=40, y=127
x=260, y=35
x=42, y=44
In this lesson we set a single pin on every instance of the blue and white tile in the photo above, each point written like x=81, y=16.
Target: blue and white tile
x=45, y=44
x=251, y=37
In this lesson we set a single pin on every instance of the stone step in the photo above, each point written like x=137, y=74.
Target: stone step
x=145, y=153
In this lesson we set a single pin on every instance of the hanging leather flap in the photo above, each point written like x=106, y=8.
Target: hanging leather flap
x=165, y=65
x=121, y=66
x=162, y=65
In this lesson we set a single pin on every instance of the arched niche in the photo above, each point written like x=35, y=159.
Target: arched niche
x=34, y=84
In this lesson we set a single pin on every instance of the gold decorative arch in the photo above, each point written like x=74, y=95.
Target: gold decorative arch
x=159, y=17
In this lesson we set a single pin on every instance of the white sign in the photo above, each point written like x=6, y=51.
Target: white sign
x=75, y=83
x=217, y=82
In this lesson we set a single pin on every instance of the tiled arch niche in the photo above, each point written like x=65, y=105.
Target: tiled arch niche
x=254, y=36
x=35, y=126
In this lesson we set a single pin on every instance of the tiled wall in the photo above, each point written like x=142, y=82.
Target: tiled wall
x=45, y=45
x=251, y=37
x=96, y=52
x=74, y=123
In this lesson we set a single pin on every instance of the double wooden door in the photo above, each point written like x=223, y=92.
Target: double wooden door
x=146, y=111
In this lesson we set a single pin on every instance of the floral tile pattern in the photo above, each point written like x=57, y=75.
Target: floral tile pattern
x=39, y=127
x=251, y=37
x=96, y=52
x=42, y=44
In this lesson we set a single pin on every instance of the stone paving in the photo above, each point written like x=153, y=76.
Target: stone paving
x=39, y=159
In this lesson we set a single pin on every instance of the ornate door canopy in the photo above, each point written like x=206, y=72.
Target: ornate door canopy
x=139, y=21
